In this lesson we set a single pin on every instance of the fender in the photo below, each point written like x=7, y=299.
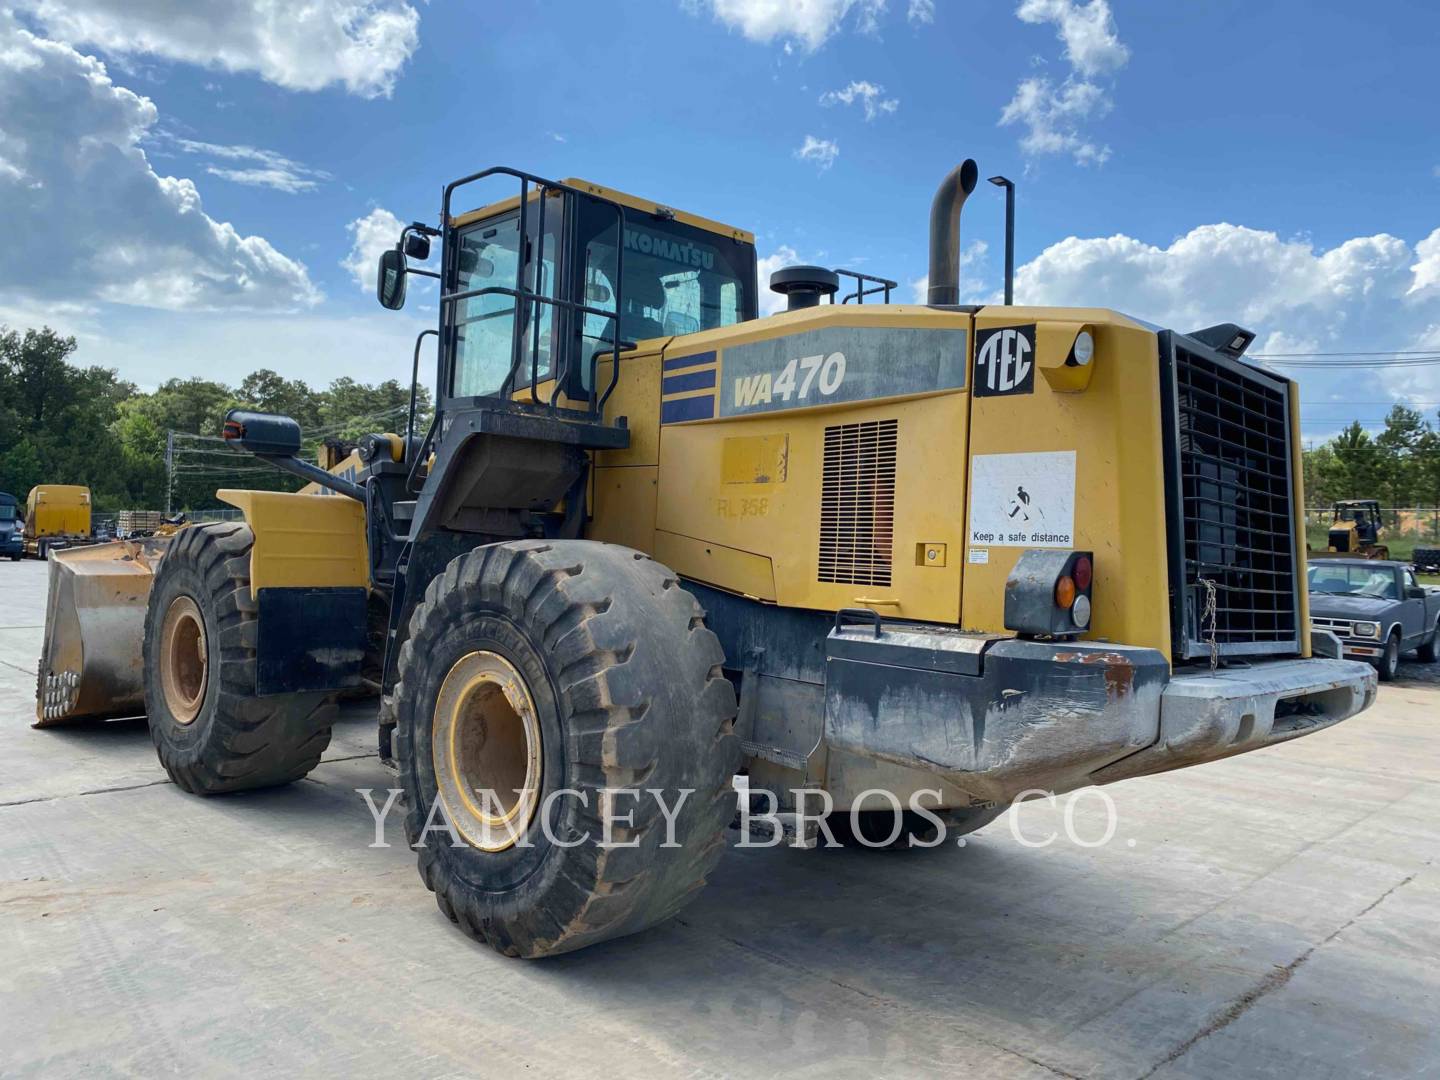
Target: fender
x=309, y=579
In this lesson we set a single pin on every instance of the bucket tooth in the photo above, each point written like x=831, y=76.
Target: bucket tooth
x=91, y=665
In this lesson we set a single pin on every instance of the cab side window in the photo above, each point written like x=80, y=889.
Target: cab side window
x=484, y=326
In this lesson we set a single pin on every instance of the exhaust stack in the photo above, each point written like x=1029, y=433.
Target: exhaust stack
x=945, y=232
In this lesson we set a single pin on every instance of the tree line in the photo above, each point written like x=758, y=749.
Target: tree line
x=1399, y=466
x=65, y=424
x=61, y=423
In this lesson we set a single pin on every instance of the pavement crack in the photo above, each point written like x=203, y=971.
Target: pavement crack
x=17, y=667
x=79, y=794
x=1270, y=983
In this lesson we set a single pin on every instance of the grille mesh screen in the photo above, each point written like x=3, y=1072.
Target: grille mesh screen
x=1235, y=476
x=857, y=503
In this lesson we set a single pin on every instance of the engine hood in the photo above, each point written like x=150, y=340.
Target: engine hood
x=1347, y=607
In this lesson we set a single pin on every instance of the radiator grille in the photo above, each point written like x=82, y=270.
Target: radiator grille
x=857, y=503
x=1237, y=517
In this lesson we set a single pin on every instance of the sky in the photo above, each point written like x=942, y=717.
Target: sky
x=201, y=187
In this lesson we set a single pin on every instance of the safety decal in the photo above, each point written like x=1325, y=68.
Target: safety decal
x=1023, y=500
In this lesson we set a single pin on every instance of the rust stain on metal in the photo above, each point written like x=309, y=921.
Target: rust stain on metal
x=1119, y=671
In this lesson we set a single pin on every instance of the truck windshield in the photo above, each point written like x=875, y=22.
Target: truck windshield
x=7, y=512
x=1341, y=580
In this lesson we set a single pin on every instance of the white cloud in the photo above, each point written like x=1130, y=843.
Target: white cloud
x=920, y=12
x=1368, y=293
x=261, y=168
x=369, y=236
x=1054, y=115
x=114, y=229
x=360, y=44
x=822, y=152
x=870, y=97
x=807, y=22
x=782, y=256
x=1091, y=43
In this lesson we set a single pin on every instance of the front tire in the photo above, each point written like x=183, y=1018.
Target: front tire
x=542, y=676
x=1389, y=660
x=211, y=730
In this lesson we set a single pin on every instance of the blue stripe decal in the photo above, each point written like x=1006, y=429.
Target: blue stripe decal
x=694, y=408
x=697, y=360
x=690, y=380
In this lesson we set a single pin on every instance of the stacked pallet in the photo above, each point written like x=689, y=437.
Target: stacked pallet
x=138, y=522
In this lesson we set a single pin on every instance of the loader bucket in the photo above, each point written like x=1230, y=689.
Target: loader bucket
x=91, y=667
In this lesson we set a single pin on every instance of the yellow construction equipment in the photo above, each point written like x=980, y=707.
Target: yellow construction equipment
x=1355, y=531
x=899, y=563
x=56, y=516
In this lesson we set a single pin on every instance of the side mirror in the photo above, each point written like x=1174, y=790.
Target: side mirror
x=390, y=279
x=1416, y=592
x=266, y=434
x=417, y=246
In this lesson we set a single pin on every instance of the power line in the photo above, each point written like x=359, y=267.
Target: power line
x=1385, y=352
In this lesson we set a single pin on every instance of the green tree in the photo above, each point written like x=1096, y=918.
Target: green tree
x=1398, y=464
x=1358, y=462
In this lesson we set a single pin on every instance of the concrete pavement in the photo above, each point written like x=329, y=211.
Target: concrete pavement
x=1269, y=915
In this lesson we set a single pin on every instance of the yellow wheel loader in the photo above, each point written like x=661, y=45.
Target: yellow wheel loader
x=898, y=564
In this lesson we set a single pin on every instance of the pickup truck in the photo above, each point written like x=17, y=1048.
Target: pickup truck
x=1377, y=609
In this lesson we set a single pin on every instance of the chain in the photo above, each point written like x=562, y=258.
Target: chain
x=1209, y=612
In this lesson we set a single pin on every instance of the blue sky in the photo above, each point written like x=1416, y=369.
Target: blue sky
x=1276, y=165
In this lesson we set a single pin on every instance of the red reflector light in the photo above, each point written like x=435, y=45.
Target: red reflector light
x=1082, y=573
x=233, y=430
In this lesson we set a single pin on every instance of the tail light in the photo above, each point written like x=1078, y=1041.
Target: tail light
x=1048, y=593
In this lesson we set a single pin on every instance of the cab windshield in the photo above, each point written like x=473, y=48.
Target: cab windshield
x=7, y=512
x=679, y=279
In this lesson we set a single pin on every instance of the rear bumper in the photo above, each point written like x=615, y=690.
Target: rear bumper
x=1213, y=715
x=998, y=716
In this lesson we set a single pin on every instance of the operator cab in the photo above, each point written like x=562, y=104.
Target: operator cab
x=594, y=265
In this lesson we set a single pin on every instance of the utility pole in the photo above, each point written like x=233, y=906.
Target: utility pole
x=169, y=469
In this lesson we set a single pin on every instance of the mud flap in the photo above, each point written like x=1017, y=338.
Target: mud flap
x=310, y=639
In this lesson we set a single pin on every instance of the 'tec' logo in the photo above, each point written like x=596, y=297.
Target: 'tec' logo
x=1004, y=361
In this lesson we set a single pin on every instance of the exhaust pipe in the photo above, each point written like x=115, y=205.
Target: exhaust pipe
x=945, y=232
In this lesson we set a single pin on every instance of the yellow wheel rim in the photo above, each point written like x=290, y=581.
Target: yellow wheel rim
x=485, y=744
x=184, y=659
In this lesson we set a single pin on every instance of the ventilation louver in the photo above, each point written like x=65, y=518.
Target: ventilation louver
x=857, y=503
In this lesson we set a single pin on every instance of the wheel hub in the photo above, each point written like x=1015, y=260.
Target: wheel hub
x=184, y=659
x=485, y=740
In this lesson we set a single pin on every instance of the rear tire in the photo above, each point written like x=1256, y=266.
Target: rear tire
x=212, y=732
x=615, y=682
x=1389, y=661
x=1429, y=653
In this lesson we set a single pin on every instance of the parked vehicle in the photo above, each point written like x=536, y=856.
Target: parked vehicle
x=56, y=516
x=1377, y=609
x=11, y=542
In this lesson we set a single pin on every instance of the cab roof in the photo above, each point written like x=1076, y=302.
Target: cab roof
x=630, y=202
